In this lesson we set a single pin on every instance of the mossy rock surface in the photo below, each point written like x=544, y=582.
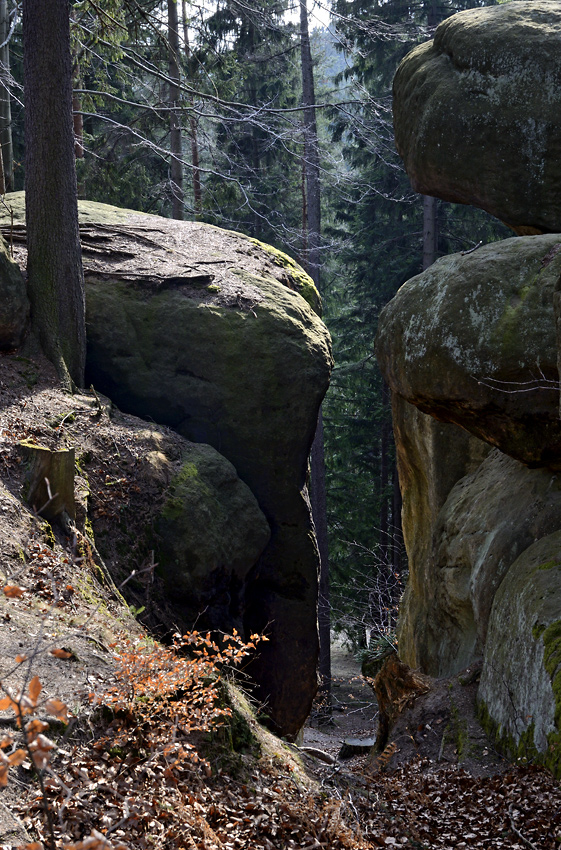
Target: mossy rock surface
x=489, y=518
x=520, y=688
x=218, y=337
x=472, y=341
x=431, y=457
x=477, y=113
x=209, y=534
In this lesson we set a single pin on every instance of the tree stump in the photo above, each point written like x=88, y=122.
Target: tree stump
x=395, y=686
x=50, y=475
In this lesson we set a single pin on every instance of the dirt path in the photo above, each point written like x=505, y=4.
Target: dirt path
x=354, y=705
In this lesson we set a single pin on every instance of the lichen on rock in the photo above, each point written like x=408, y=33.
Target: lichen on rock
x=472, y=341
x=477, y=113
x=520, y=689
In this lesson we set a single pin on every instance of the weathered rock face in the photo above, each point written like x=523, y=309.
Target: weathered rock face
x=14, y=305
x=477, y=113
x=489, y=518
x=431, y=457
x=216, y=336
x=472, y=341
x=209, y=533
x=520, y=689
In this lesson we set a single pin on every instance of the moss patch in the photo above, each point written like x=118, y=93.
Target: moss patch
x=548, y=565
x=189, y=478
x=525, y=749
x=304, y=284
x=552, y=662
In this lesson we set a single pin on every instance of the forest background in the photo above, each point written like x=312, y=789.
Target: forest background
x=273, y=118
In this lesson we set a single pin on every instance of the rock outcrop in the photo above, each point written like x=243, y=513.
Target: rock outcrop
x=477, y=113
x=431, y=457
x=520, y=690
x=217, y=336
x=472, y=341
x=489, y=518
x=208, y=534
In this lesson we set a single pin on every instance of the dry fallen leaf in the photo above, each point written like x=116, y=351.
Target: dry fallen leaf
x=12, y=591
x=62, y=653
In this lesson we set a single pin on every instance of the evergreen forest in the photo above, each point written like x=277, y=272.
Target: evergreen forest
x=202, y=529
x=273, y=118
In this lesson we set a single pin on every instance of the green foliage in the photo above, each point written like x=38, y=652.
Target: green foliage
x=378, y=222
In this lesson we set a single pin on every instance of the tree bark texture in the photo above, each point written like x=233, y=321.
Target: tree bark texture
x=197, y=192
x=397, y=505
x=385, y=440
x=176, y=170
x=312, y=233
x=54, y=265
x=430, y=231
x=319, y=512
x=311, y=150
x=5, y=105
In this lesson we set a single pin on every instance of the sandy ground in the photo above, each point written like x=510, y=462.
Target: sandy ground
x=354, y=705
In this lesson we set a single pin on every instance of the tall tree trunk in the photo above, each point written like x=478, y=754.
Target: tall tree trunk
x=430, y=231
x=313, y=234
x=385, y=536
x=54, y=264
x=318, y=498
x=430, y=226
x=176, y=170
x=397, y=551
x=7, y=175
x=311, y=150
x=196, y=172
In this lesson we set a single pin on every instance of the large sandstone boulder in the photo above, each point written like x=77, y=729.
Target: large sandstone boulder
x=489, y=518
x=520, y=689
x=472, y=341
x=216, y=336
x=477, y=113
x=14, y=305
x=208, y=533
x=431, y=457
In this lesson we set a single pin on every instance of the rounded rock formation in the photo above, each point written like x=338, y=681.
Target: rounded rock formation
x=472, y=341
x=520, y=689
x=477, y=113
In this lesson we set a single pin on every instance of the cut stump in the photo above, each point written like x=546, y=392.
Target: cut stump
x=50, y=475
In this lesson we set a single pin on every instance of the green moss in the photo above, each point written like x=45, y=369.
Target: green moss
x=88, y=528
x=190, y=479
x=548, y=565
x=537, y=630
x=48, y=534
x=522, y=751
x=303, y=282
x=213, y=287
x=552, y=663
x=62, y=419
x=525, y=749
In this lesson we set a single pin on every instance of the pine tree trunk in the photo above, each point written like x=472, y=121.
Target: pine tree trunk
x=311, y=151
x=5, y=105
x=54, y=263
x=430, y=231
x=197, y=192
x=397, y=529
x=313, y=233
x=384, y=475
x=176, y=170
x=319, y=512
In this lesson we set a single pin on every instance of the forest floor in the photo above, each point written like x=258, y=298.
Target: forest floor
x=438, y=784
